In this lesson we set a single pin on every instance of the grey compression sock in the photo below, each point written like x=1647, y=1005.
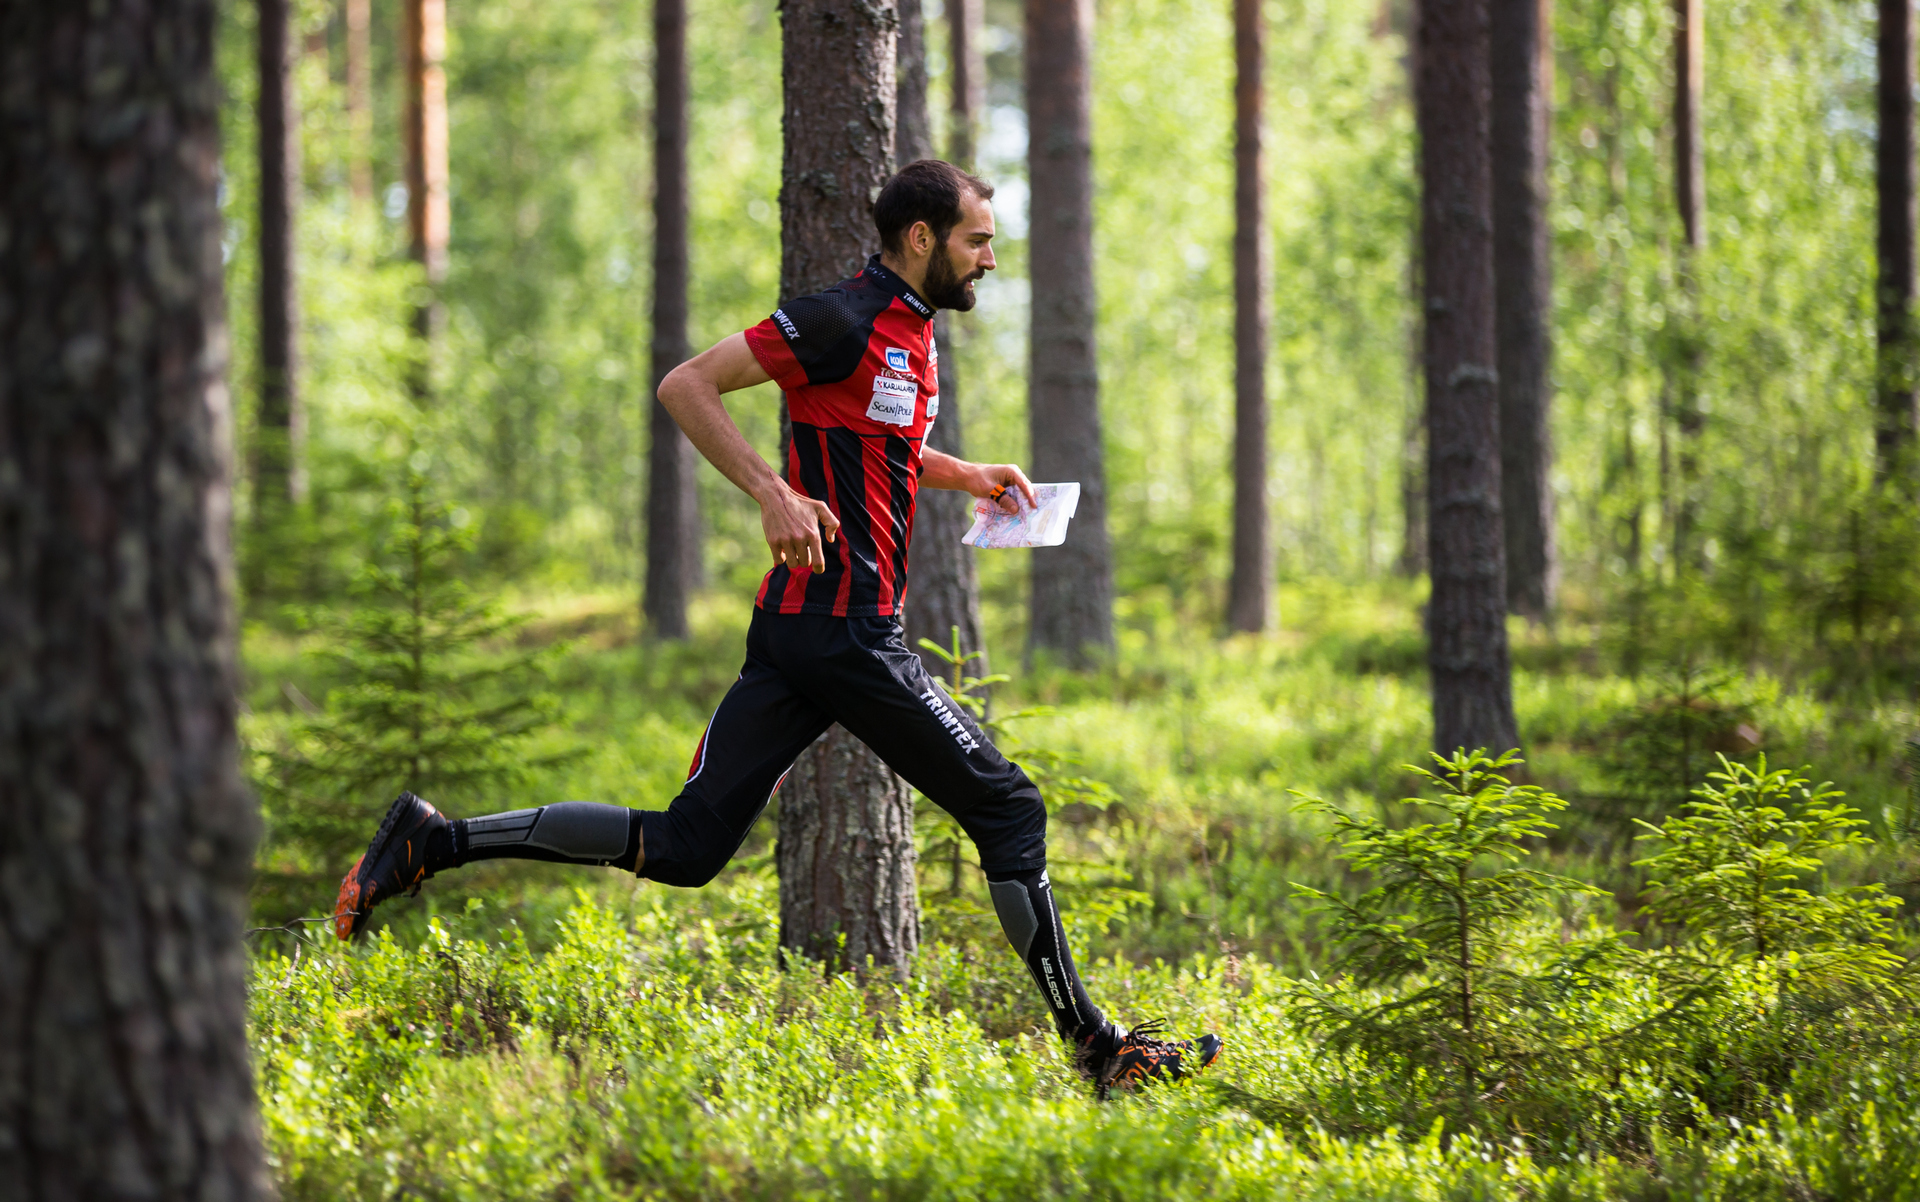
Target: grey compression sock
x=570, y=832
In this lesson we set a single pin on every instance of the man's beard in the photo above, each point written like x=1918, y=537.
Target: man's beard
x=943, y=287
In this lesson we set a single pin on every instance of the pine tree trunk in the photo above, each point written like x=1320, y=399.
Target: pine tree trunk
x=1522, y=64
x=846, y=830
x=424, y=48
x=359, y=43
x=126, y=833
x=277, y=478
x=673, y=512
x=945, y=588
x=1690, y=194
x=845, y=853
x=1072, y=611
x=1250, y=595
x=1412, y=560
x=1894, y=432
x=968, y=74
x=1466, y=615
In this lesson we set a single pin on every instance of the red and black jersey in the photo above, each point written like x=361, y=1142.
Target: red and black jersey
x=859, y=367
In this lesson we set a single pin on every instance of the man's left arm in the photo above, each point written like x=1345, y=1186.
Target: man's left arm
x=997, y=480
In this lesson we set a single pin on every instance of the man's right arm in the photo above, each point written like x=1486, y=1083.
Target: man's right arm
x=691, y=393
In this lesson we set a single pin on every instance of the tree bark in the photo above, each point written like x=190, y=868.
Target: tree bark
x=424, y=47
x=1466, y=615
x=360, y=99
x=913, y=124
x=1690, y=194
x=968, y=74
x=126, y=833
x=1521, y=68
x=1894, y=432
x=673, y=503
x=946, y=588
x=277, y=478
x=846, y=829
x=845, y=853
x=1072, y=608
x=1250, y=595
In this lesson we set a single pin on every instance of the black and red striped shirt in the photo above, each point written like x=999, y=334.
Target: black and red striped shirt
x=859, y=367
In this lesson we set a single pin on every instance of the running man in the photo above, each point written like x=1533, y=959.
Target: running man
x=858, y=365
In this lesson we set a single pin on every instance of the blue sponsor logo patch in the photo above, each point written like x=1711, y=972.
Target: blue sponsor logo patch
x=896, y=359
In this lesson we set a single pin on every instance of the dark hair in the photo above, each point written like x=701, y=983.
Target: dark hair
x=928, y=190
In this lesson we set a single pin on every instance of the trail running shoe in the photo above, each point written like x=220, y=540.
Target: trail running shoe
x=396, y=862
x=1142, y=1058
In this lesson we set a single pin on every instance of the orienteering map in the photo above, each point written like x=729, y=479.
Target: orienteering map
x=1042, y=525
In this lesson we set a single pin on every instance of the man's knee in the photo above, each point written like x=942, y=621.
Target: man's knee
x=686, y=845
x=1009, y=828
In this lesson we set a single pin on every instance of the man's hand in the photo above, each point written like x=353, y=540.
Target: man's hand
x=794, y=525
x=1001, y=483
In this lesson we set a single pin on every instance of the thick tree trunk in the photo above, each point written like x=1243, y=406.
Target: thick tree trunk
x=1466, y=615
x=277, y=478
x=126, y=833
x=1072, y=610
x=424, y=48
x=360, y=99
x=1522, y=65
x=1250, y=595
x=968, y=73
x=846, y=821
x=946, y=589
x=1894, y=432
x=1690, y=195
x=846, y=829
x=673, y=512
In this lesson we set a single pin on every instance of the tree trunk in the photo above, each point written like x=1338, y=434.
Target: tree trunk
x=424, y=45
x=360, y=99
x=126, y=833
x=1250, y=596
x=1690, y=194
x=968, y=74
x=1072, y=609
x=1895, y=392
x=913, y=125
x=1521, y=68
x=1466, y=615
x=946, y=589
x=673, y=504
x=277, y=478
x=846, y=821
x=846, y=830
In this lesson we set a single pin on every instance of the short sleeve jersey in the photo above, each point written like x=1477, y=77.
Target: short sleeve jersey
x=860, y=371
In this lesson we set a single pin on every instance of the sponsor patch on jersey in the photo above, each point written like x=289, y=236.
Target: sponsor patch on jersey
x=933, y=406
x=896, y=359
x=893, y=401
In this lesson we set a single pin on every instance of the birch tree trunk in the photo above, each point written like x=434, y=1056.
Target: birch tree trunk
x=126, y=834
x=845, y=853
x=673, y=503
x=1250, y=593
x=1466, y=615
x=1522, y=66
x=1072, y=608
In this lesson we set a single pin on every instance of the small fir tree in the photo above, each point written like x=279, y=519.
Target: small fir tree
x=426, y=705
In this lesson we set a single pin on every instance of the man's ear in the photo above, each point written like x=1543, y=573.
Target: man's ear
x=921, y=237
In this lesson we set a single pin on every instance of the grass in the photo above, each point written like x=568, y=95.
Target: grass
x=533, y=1031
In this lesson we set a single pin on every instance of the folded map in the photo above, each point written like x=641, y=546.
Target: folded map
x=1041, y=525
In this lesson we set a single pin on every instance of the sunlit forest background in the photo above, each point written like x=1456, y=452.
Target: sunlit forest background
x=1794, y=633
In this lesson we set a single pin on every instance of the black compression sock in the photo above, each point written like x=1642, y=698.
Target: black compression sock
x=571, y=832
x=1031, y=920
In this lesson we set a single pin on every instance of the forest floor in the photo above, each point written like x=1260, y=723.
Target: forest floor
x=533, y=1031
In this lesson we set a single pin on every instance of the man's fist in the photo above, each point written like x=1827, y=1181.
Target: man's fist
x=794, y=526
x=999, y=482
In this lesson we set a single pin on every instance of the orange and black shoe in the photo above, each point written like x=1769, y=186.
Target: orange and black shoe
x=396, y=862
x=1139, y=1057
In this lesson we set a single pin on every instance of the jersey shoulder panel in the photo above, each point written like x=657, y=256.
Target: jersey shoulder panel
x=826, y=333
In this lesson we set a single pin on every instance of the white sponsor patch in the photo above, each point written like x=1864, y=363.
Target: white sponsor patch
x=933, y=406
x=896, y=359
x=893, y=401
